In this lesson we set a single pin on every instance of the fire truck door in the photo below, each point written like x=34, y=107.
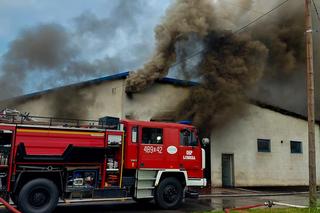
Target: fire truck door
x=190, y=153
x=151, y=148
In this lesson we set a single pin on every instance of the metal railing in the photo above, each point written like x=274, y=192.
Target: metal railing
x=49, y=121
x=15, y=117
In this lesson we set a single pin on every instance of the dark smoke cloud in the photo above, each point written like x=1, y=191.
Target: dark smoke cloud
x=39, y=48
x=72, y=102
x=182, y=19
x=229, y=65
x=124, y=16
x=265, y=62
x=45, y=50
x=50, y=55
x=123, y=21
x=282, y=32
x=184, y=47
x=284, y=80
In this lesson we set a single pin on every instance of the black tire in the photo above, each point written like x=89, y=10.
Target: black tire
x=38, y=196
x=169, y=193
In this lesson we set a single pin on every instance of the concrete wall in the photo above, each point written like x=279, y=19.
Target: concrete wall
x=156, y=101
x=252, y=168
x=239, y=137
x=94, y=101
x=108, y=99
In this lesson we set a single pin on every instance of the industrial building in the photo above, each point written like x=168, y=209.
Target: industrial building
x=265, y=146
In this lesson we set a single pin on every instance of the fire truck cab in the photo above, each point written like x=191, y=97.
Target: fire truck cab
x=44, y=164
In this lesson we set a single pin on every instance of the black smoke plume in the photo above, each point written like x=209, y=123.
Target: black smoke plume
x=234, y=67
x=229, y=65
x=51, y=55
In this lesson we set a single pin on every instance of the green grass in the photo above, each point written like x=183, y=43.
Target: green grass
x=274, y=210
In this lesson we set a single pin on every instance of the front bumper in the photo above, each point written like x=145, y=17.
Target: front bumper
x=196, y=182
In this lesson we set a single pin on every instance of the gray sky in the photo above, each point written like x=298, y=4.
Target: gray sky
x=117, y=35
x=91, y=38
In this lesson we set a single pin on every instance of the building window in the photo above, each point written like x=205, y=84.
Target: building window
x=152, y=136
x=296, y=147
x=264, y=145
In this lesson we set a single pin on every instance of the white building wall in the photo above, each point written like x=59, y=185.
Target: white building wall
x=158, y=100
x=252, y=168
x=108, y=99
x=105, y=100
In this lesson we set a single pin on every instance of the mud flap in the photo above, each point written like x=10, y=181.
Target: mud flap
x=192, y=194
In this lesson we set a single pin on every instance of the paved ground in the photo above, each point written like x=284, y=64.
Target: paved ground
x=216, y=199
x=190, y=205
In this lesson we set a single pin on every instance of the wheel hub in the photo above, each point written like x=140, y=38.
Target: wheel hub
x=39, y=197
x=170, y=194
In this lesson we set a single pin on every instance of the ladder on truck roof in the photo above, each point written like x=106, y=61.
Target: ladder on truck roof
x=9, y=116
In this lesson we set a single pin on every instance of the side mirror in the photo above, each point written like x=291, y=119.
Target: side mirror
x=205, y=141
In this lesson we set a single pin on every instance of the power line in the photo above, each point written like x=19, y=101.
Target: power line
x=260, y=17
x=198, y=52
x=316, y=9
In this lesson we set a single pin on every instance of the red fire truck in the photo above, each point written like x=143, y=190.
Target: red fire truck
x=44, y=163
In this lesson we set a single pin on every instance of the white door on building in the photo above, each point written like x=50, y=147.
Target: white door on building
x=227, y=170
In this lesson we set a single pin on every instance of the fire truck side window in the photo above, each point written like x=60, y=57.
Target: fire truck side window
x=134, y=134
x=152, y=136
x=187, y=138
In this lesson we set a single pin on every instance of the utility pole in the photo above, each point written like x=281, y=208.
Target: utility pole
x=311, y=116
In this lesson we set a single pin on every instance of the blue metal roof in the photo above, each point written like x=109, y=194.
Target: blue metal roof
x=121, y=75
x=177, y=82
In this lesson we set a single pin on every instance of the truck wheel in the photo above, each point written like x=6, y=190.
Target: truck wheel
x=169, y=193
x=38, y=196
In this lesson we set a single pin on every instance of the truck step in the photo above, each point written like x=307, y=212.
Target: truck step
x=66, y=201
x=146, y=187
x=144, y=193
x=147, y=178
x=146, y=174
x=144, y=183
x=150, y=197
